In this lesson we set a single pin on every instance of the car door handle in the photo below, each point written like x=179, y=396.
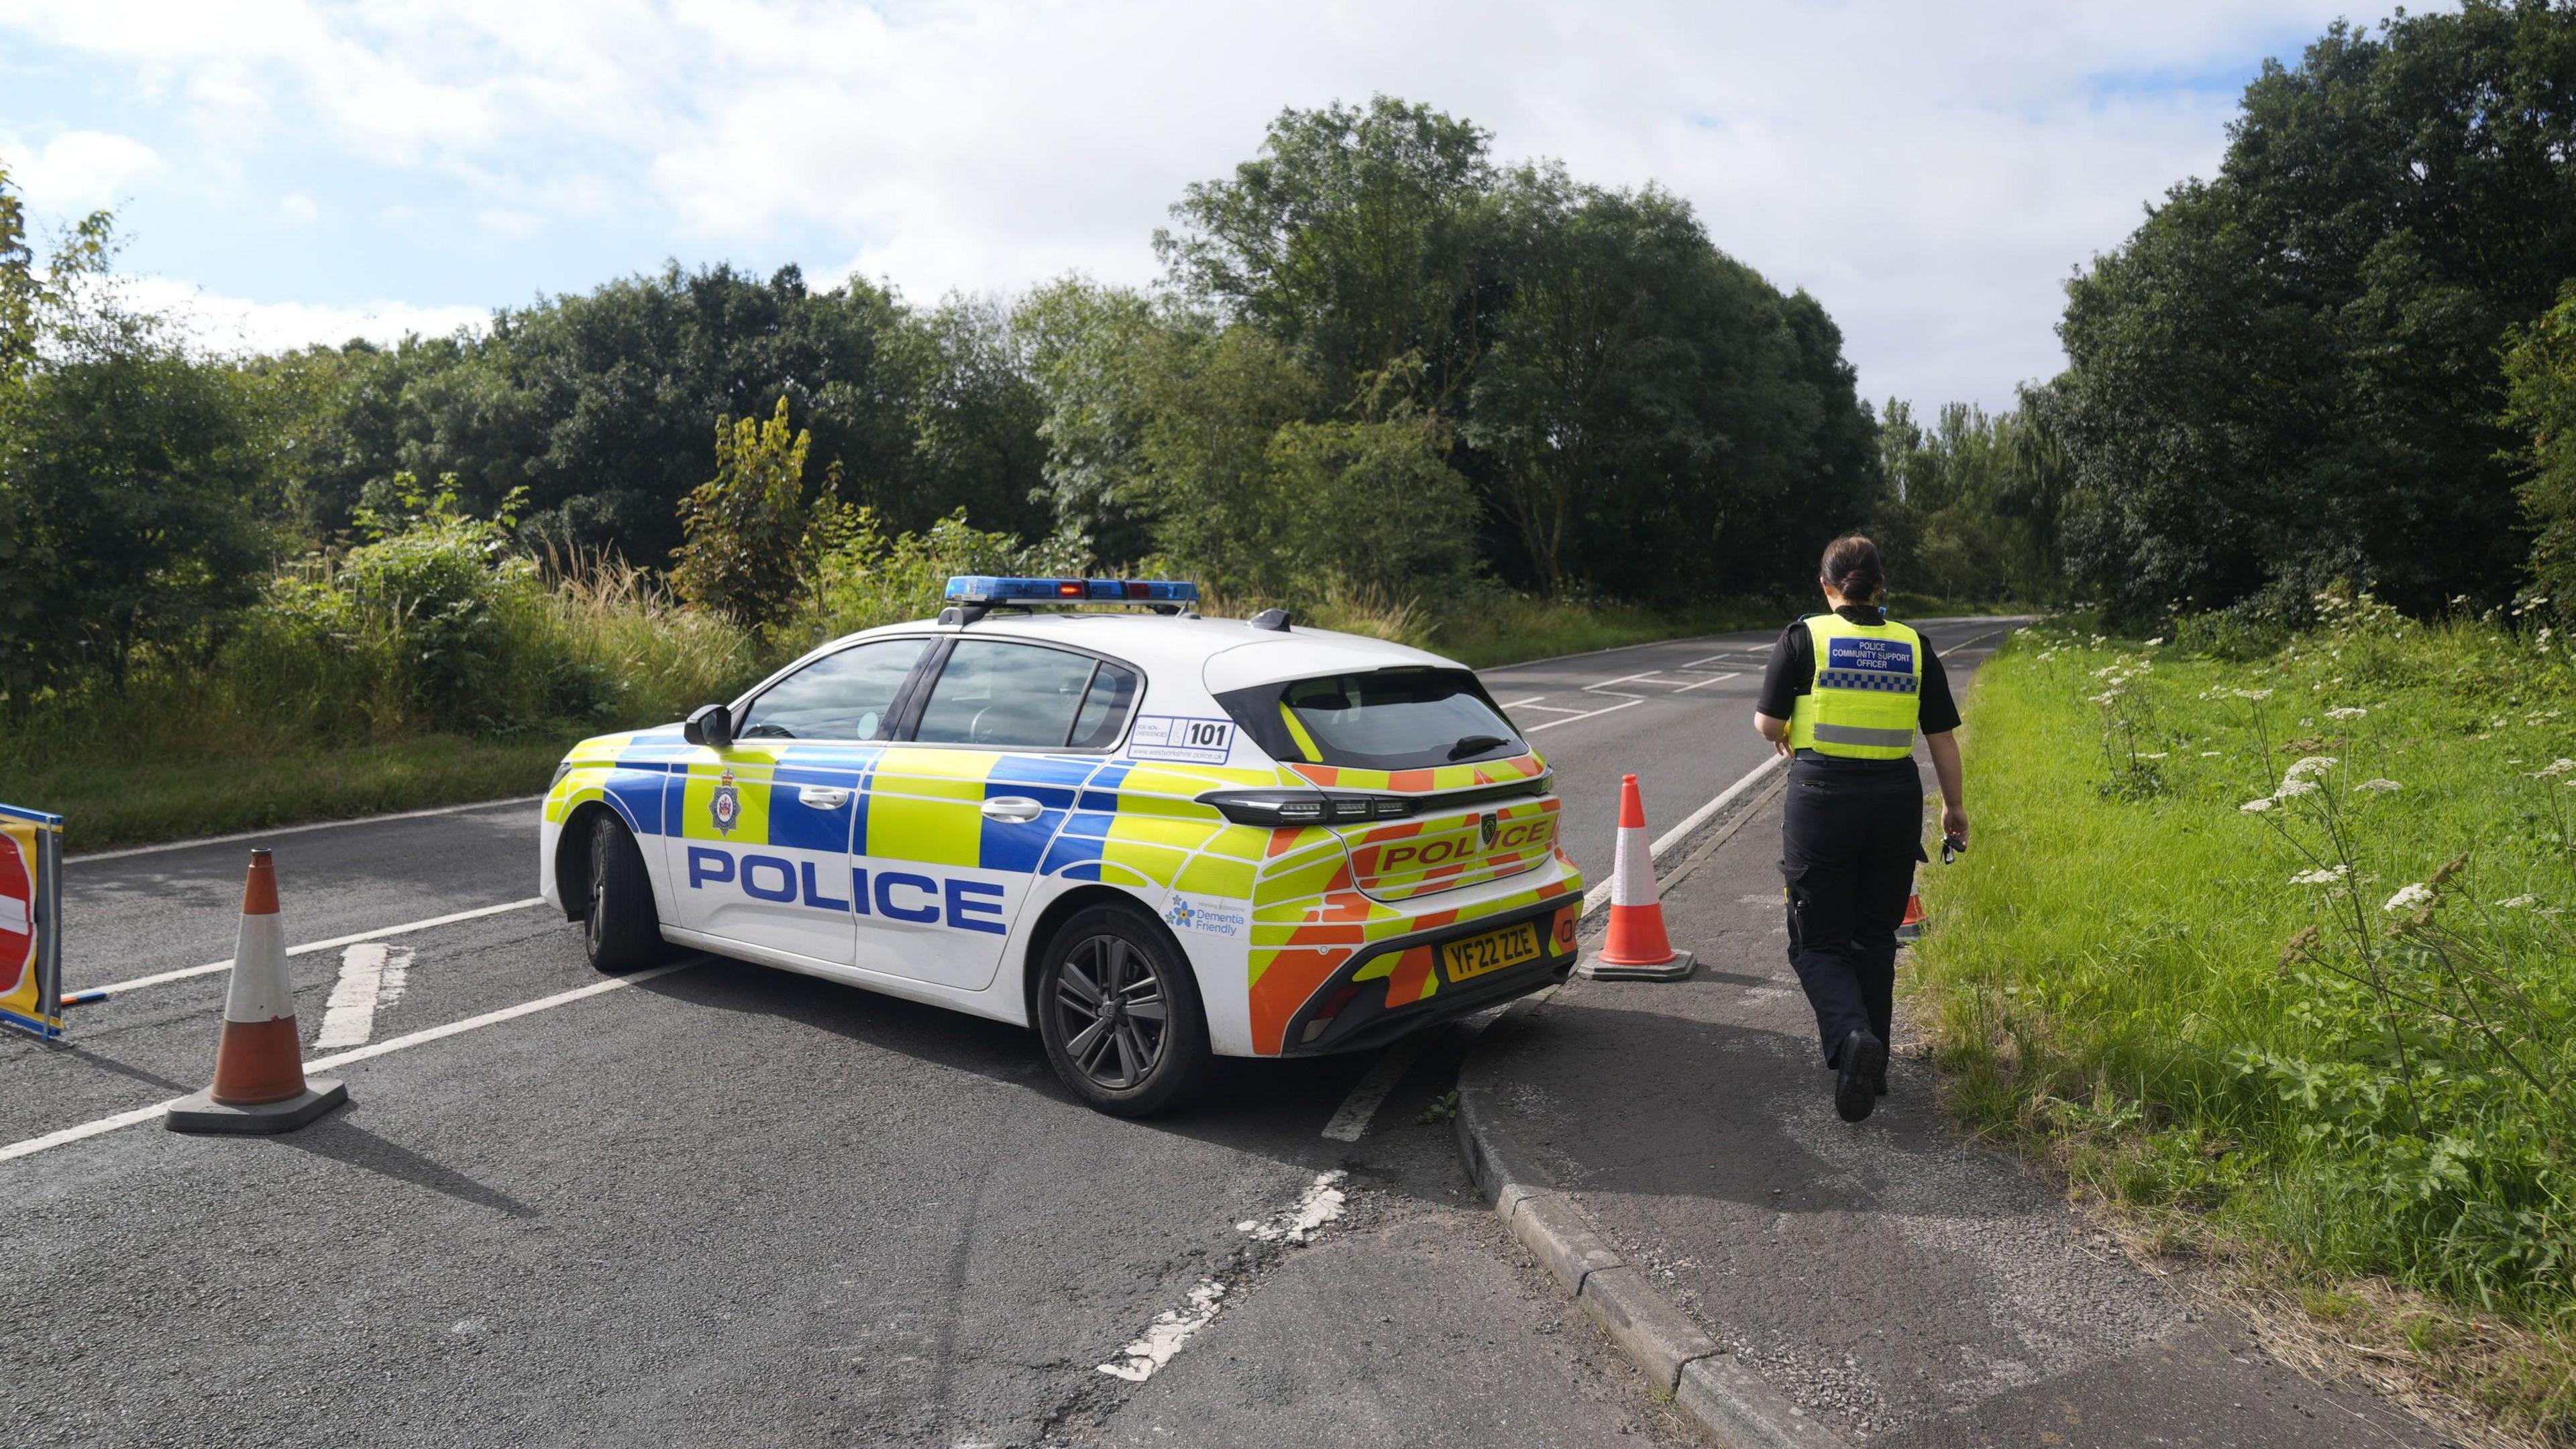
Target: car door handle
x=822, y=797
x=1019, y=809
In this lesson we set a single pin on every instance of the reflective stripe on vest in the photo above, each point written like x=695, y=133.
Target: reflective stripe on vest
x=1866, y=697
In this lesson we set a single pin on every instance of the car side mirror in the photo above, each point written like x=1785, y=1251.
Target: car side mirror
x=710, y=725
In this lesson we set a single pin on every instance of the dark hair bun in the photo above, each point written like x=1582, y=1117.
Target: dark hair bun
x=1852, y=568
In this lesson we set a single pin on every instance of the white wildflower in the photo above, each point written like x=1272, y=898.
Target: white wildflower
x=2380, y=787
x=2295, y=786
x=2209, y=754
x=2158, y=755
x=2409, y=898
x=2257, y=807
x=2331, y=876
x=2309, y=765
x=2349, y=711
x=2554, y=769
x=2515, y=903
x=2257, y=694
x=2154, y=643
x=2106, y=696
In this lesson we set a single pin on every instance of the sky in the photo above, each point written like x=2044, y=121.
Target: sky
x=291, y=171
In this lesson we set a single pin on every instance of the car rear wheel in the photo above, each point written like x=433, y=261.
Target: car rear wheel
x=1119, y=1012
x=621, y=931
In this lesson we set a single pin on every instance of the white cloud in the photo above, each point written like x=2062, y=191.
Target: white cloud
x=77, y=172
x=299, y=208
x=1930, y=170
x=238, y=324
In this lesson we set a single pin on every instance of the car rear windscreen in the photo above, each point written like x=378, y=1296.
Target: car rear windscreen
x=1386, y=719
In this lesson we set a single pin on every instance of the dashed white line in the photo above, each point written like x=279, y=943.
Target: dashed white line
x=101, y=1126
x=1351, y=1122
x=334, y=943
x=1173, y=1328
x=371, y=978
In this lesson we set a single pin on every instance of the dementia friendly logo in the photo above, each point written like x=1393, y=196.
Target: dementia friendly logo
x=1210, y=918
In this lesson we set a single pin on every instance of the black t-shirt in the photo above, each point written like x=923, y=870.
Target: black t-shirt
x=1792, y=672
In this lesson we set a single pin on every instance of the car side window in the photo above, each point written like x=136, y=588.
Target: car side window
x=1024, y=697
x=843, y=696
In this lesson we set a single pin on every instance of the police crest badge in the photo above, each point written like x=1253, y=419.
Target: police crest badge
x=1488, y=828
x=726, y=805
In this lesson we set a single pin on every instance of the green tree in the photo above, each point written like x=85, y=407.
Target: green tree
x=131, y=497
x=2540, y=404
x=745, y=528
x=2290, y=373
x=1350, y=239
x=38, y=304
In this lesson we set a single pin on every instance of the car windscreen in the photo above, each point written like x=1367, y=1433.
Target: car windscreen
x=1386, y=719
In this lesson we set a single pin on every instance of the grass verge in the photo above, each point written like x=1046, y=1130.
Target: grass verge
x=2265, y=956
x=111, y=803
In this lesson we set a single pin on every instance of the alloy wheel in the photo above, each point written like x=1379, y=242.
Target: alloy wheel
x=1111, y=1008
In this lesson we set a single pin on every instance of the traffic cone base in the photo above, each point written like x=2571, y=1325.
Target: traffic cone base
x=259, y=1062
x=1911, y=928
x=1636, y=948
x=202, y=1113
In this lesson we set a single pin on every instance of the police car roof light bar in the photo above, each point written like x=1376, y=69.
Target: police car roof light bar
x=988, y=590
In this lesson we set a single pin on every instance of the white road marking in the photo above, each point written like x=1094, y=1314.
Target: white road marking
x=1713, y=658
x=1587, y=714
x=1705, y=683
x=1351, y=1123
x=119, y=854
x=99, y=1127
x=1593, y=898
x=211, y=967
x=371, y=978
x=1171, y=1329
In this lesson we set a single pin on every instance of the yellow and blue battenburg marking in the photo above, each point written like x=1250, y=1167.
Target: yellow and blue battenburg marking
x=1299, y=901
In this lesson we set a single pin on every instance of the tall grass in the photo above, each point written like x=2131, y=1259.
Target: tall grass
x=445, y=672
x=2269, y=945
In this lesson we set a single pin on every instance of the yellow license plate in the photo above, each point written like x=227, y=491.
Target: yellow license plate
x=1492, y=951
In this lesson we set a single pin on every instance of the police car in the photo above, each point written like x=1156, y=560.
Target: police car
x=1153, y=837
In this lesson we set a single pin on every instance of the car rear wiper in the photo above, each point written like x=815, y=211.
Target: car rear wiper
x=1475, y=745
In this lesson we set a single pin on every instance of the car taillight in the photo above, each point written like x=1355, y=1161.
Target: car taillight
x=1292, y=809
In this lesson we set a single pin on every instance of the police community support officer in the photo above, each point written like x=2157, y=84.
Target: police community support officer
x=1844, y=696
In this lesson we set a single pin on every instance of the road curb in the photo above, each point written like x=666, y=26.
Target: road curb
x=1736, y=1406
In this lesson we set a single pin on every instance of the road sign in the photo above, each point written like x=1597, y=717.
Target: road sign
x=31, y=910
x=17, y=913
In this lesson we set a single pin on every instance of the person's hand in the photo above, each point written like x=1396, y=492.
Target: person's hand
x=1954, y=822
x=1780, y=746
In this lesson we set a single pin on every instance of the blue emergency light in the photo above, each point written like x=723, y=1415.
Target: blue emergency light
x=986, y=590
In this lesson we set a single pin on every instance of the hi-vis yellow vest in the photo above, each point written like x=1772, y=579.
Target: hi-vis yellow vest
x=1867, y=694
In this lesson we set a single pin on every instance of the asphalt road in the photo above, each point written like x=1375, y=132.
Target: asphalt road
x=731, y=1203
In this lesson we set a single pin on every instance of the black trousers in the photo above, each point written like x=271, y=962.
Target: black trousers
x=1848, y=849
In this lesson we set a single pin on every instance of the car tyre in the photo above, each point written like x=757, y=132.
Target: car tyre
x=621, y=932
x=1118, y=1010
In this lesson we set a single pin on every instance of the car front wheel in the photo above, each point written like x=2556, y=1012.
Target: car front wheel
x=1119, y=1013
x=621, y=931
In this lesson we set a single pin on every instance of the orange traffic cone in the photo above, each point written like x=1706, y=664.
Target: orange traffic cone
x=1911, y=928
x=259, y=1060
x=1636, y=948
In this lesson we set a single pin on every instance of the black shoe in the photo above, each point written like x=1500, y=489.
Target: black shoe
x=1864, y=1065
x=1878, y=1084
